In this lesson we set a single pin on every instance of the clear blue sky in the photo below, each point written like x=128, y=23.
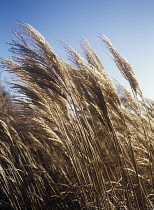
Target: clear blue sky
x=129, y=24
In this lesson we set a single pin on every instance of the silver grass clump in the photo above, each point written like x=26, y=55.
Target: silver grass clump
x=72, y=141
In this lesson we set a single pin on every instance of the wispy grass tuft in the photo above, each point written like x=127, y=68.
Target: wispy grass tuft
x=75, y=139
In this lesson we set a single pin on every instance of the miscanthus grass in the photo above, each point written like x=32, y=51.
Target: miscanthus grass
x=74, y=138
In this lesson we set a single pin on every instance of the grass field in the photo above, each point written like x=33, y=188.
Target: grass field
x=73, y=138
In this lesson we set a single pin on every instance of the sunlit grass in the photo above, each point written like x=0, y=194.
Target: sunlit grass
x=77, y=139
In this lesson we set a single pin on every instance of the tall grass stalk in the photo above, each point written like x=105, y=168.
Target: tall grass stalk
x=75, y=139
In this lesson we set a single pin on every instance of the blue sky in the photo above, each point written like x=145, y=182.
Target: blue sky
x=129, y=24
